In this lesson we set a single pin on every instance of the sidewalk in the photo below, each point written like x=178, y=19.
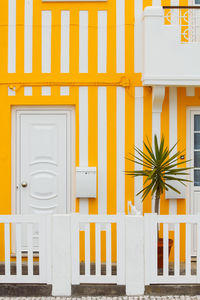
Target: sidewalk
x=106, y=298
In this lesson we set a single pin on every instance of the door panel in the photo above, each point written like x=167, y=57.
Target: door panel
x=43, y=163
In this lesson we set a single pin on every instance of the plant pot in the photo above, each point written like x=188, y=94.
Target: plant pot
x=160, y=251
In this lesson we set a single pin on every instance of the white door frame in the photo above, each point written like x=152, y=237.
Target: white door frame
x=15, y=150
x=190, y=111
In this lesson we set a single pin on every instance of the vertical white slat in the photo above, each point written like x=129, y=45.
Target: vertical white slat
x=7, y=248
x=83, y=41
x=165, y=250
x=75, y=248
x=42, y=249
x=83, y=139
x=177, y=249
x=121, y=249
x=120, y=149
x=18, y=249
x=198, y=249
x=188, y=250
x=28, y=36
x=138, y=181
x=65, y=21
x=138, y=33
x=98, y=249
x=64, y=91
x=12, y=36
x=102, y=41
x=46, y=48
x=172, y=139
x=28, y=42
x=147, y=248
x=153, y=223
x=46, y=41
x=108, y=250
x=87, y=249
x=30, y=248
x=120, y=35
x=102, y=150
x=49, y=250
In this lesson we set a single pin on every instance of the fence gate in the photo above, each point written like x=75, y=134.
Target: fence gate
x=19, y=264
x=108, y=269
x=180, y=266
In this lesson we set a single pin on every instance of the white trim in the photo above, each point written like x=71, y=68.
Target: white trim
x=83, y=41
x=171, y=80
x=12, y=36
x=138, y=182
x=46, y=41
x=102, y=41
x=64, y=59
x=102, y=150
x=28, y=36
x=120, y=35
x=120, y=150
x=83, y=139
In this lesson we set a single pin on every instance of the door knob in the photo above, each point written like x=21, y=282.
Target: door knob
x=24, y=184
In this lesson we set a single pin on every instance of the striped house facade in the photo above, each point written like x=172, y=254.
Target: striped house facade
x=89, y=56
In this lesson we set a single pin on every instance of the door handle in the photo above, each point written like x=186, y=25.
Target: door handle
x=24, y=184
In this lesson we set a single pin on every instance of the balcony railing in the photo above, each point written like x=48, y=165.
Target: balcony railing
x=188, y=20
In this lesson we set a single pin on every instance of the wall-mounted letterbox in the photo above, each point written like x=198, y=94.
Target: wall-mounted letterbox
x=86, y=182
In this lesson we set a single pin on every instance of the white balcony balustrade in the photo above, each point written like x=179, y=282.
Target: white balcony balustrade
x=171, y=46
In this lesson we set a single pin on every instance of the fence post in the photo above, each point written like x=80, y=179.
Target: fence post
x=61, y=256
x=134, y=255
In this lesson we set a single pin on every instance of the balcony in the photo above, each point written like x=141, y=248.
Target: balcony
x=171, y=46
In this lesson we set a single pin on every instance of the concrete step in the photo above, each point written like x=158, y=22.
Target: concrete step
x=98, y=290
x=25, y=290
x=172, y=289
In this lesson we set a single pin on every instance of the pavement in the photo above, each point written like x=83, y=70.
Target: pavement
x=106, y=298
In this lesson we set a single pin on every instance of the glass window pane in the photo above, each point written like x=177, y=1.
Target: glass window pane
x=197, y=141
x=197, y=159
x=197, y=1
x=196, y=177
x=197, y=121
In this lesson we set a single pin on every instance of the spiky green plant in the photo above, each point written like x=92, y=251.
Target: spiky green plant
x=160, y=166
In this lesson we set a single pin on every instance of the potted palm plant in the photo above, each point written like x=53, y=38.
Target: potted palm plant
x=160, y=169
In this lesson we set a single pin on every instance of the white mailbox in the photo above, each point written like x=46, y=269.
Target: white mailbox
x=86, y=182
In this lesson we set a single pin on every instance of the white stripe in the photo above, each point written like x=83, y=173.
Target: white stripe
x=64, y=91
x=120, y=32
x=28, y=36
x=83, y=41
x=27, y=91
x=102, y=41
x=156, y=2
x=173, y=136
x=120, y=149
x=12, y=36
x=138, y=142
x=11, y=92
x=138, y=34
x=83, y=138
x=102, y=150
x=46, y=41
x=65, y=17
x=46, y=91
x=155, y=126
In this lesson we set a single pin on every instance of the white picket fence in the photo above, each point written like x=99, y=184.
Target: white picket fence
x=102, y=223
x=134, y=238
x=177, y=271
x=18, y=231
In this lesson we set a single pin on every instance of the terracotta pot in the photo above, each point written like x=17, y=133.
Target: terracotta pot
x=160, y=251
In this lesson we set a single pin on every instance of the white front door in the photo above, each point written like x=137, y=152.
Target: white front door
x=42, y=161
